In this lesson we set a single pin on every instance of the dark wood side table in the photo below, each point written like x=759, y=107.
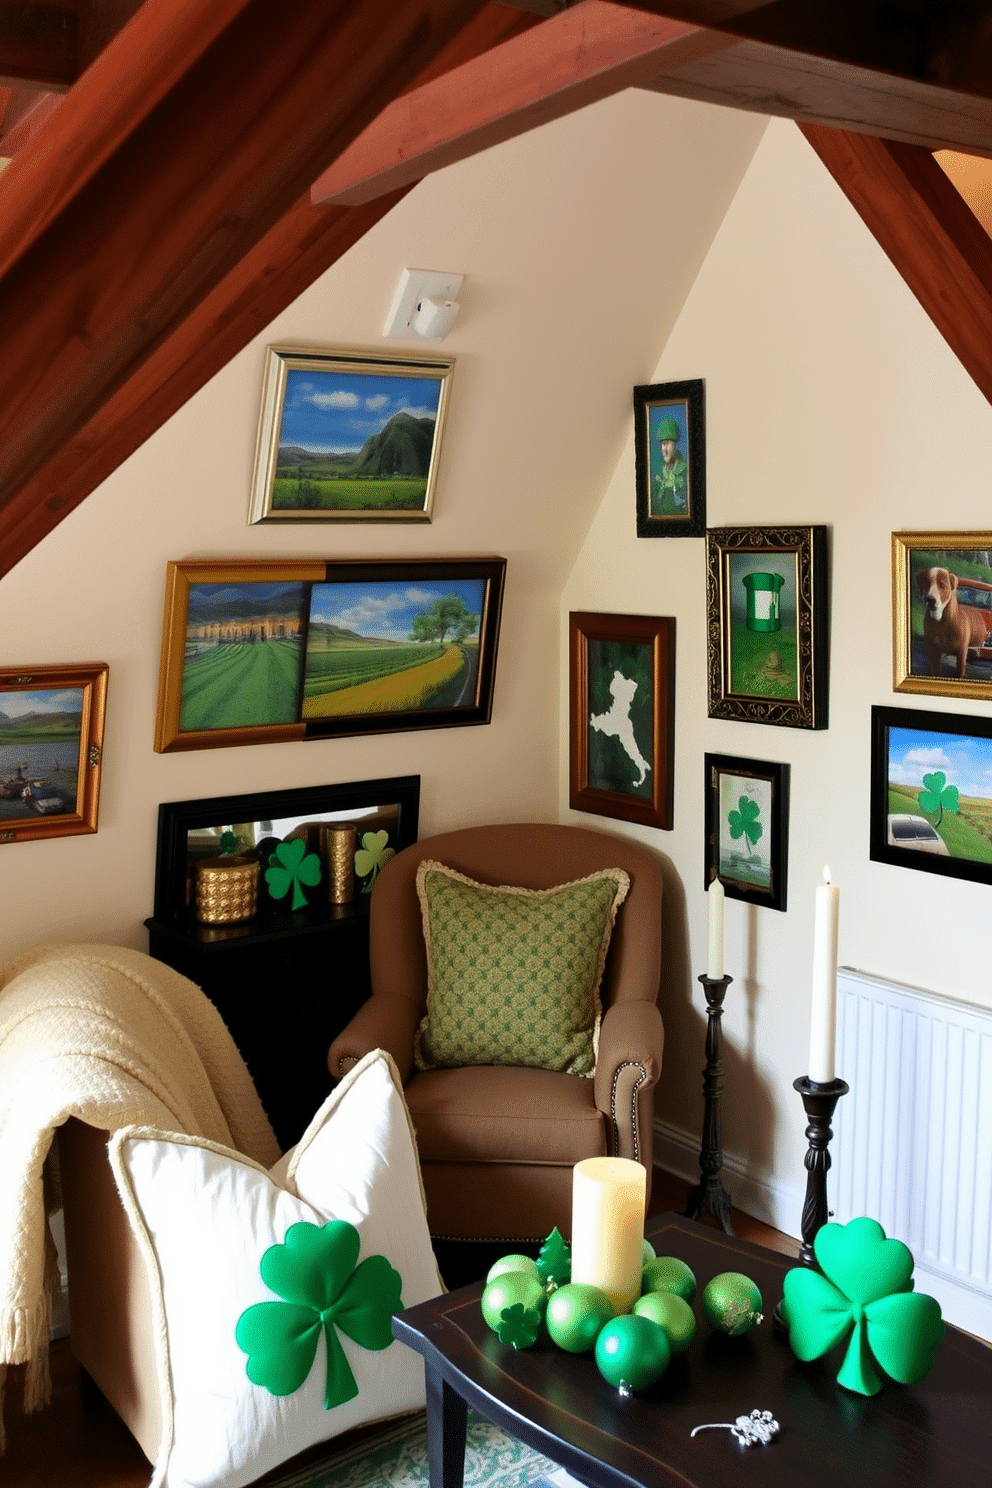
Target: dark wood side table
x=285, y=985
x=937, y=1434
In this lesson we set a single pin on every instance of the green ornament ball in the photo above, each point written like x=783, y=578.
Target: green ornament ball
x=507, y=1290
x=669, y=1274
x=512, y=1263
x=576, y=1313
x=732, y=1303
x=648, y=1252
x=673, y=1314
x=632, y=1352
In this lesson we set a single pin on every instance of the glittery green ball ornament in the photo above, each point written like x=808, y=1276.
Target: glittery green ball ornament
x=512, y=1263
x=508, y=1289
x=669, y=1274
x=576, y=1313
x=732, y=1303
x=632, y=1352
x=671, y=1313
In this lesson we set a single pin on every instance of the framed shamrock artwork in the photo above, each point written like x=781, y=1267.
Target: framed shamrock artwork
x=747, y=828
x=931, y=792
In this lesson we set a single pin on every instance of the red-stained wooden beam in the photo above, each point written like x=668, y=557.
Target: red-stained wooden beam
x=192, y=135
x=578, y=57
x=927, y=230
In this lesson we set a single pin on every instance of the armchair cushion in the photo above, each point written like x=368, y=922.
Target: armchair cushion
x=272, y=1324
x=513, y=974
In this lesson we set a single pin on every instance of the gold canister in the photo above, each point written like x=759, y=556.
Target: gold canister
x=226, y=890
x=338, y=852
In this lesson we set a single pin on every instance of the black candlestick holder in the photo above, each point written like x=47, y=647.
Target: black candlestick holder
x=819, y=1100
x=709, y=1193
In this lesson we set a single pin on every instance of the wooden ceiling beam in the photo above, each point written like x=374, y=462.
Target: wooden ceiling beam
x=582, y=55
x=927, y=230
x=105, y=410
x=39, y=44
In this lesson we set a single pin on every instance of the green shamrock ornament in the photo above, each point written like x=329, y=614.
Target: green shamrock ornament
x=554, y=1261
x=864, y=1298
x=290, y=866
x=314, y=1271
x=372, y=857
x=519, y=1325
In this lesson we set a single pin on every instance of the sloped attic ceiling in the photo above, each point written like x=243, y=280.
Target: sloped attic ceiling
x=158, y=212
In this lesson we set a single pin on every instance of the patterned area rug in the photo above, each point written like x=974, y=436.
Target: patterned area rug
x=395, y=1456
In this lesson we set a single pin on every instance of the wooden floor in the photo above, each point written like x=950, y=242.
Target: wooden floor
x=77, y=1443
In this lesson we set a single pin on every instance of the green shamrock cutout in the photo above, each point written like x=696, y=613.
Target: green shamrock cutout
x=372, y=856
x=554, y=1262
x=938, y=796
x=290, y=866
x=314, y=1270
x=519, y=1325
x=744, y=821
x=863, y=1297
x=228, y=842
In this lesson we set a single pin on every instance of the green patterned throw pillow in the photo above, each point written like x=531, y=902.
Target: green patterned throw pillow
x=513, y=974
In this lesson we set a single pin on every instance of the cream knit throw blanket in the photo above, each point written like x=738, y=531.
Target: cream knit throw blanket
x=110, y=1036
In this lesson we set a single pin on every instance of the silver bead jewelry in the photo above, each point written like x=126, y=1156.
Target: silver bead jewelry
x=759, y=1427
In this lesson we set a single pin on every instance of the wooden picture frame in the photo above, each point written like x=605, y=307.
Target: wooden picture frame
x=767, y=625
x=931, y=792
x=622, y=716
x=188, y=830
x=942, y=613
x=265, y=652
x=670, y=459
x=51, y=749
x=348, y=436
x=747, y=829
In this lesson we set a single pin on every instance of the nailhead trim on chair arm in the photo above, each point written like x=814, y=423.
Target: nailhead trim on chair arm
x=628, y=1064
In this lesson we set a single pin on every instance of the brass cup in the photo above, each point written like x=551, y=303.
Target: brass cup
x=338, y=852
x=226, y=890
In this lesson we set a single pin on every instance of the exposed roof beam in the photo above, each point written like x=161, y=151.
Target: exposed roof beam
x=39, y=44
x=580, y=56
x=928, y=231
x=160, y=363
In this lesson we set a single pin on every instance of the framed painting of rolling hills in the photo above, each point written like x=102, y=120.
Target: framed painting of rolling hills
x=259, y=653
x=348, y=436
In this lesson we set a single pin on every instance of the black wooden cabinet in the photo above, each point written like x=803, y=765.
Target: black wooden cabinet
x=284, y=990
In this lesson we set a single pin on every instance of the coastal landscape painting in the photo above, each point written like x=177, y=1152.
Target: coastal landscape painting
x=258, y=653
x=346, y=436
x=51, y=731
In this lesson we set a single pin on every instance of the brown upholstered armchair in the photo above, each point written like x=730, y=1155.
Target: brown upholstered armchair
x=497, y=1144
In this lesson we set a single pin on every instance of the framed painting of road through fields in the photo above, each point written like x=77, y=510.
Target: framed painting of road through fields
x=931, y=792
x=747, y=820
x=51, y=750
x=622, y=716
x=257, y=653
x=347, y=436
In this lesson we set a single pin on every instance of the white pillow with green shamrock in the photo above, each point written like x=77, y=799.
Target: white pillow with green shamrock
x=274, y=1290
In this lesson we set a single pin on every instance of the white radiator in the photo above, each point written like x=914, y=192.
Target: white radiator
x=912, y=1143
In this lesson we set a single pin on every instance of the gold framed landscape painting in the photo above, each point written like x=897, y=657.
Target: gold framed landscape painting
x=257, y=653
x=51, y=749
x=348, y=436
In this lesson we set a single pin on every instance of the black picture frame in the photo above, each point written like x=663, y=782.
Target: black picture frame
x=962, y=743
x=671, y=495
x=760, y=877
x=645, y=646
x=767, y=625
x=268, y=651
x=393, y=800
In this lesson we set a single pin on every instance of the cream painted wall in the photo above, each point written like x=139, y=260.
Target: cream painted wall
x=575, y=276
x=830, y=398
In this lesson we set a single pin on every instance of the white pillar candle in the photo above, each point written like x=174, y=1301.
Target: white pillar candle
x=608, y=1198
x=823, y=1010
x=715, y=896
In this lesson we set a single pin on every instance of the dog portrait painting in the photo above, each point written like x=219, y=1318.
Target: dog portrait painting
x=943, y=613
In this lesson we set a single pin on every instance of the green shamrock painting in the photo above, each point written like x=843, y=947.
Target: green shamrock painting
x=863, y=1299
x=937, y=796
x=316, y=1273
x=372, y=857
x=291, y=866
x=743, y=822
